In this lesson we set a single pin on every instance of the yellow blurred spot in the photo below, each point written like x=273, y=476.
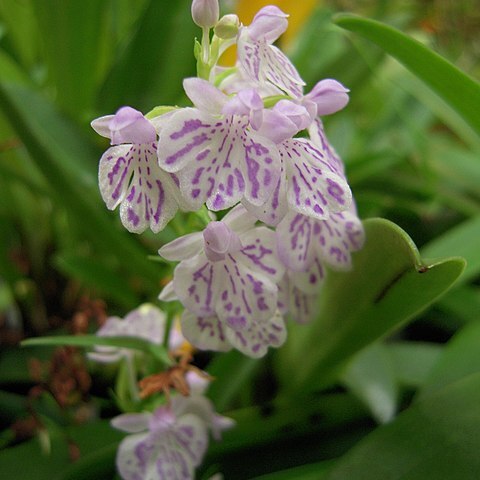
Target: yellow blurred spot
x=299, y=10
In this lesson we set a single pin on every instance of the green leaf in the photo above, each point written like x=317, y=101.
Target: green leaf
x=134, y=343
x=232, y=371
x=312, y=471
x=461, y=240
x=75, y=32
x=160, y=54
x=454, y=86
x=388, y=285
x=437, y=438
x=95, y=439
x=460, y=359
x=371, y=377
x=464, y=302
x=413, y=361
x=68, y=161
x=92, y=272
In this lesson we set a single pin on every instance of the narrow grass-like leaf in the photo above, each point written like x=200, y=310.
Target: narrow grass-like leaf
x=153, y=65
x=67, y=161
x=454, y=86
x=89, y=341
x=71, y=48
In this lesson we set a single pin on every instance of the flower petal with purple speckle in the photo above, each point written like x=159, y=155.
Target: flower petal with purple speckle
x=266, y=63
x=255, y=340
x=294, y=237
x=206, y=333
x=130, y=176
x=172, y=452
x=259, y=253
x=314, y=188
x=317, y=135
x=217, y=160
x=244, y=295
x=196, y=282
x=301, y=239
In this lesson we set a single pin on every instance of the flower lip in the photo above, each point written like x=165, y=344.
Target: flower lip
x=220, y=239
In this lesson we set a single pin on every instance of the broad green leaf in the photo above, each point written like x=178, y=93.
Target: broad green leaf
x=437, y=438
x=289, y=432
x=464, y=302
x=388, y=285
x=413, y=361
x=312, y=471
x=460, y=359
x=454, y=86
x=371, y=377
x=461, y=240
x=134, y=343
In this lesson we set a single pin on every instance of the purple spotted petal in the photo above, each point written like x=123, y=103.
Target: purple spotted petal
x=276, y=206
x=319, y=139
x=129, y=175
x=294, y=236
x=191, y=435
x=314, y=189
x=255, y=340
x=196, y=283
x=217, y=160
x=310, y=281
x=207, y=333
x=173, y=453
x=262, y=168
x=334, y=239
x=244, y=295
x=301, y=307
x=259, y=253
x=265, y=63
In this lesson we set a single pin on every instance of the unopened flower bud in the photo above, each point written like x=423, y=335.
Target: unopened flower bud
x=227, y=27
x=205, y=13
x=268, y=24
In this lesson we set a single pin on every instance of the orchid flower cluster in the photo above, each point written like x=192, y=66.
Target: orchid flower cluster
x=252, y=143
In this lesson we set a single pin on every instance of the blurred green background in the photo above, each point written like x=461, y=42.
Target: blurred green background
x=410, y=157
